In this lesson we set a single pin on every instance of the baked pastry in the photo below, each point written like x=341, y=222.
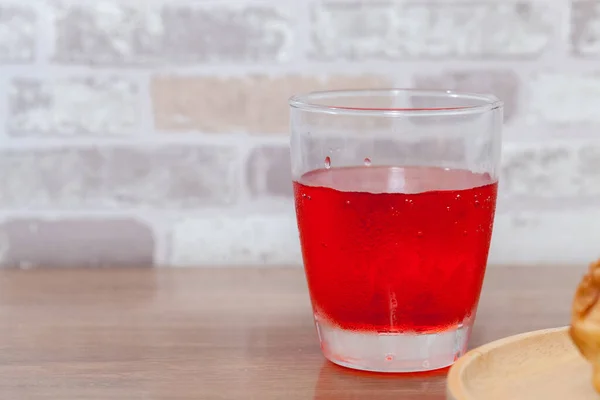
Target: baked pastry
x=585, y=320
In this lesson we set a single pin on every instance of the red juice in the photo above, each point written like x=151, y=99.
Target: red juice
x=390, y=249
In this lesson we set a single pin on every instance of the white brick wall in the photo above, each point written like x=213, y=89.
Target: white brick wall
x=139, y=132
x=74, y=106
x=421, y=30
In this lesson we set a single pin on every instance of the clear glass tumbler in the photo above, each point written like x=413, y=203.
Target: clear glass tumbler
x=395, y=194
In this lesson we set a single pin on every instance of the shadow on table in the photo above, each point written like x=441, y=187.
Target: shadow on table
x=339, y=383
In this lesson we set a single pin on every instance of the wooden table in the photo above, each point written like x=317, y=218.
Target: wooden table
x=216, y=334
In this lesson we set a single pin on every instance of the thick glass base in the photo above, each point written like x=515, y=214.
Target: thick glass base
x=392, y=352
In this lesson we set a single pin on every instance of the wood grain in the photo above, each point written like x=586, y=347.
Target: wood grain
x=542, y=365
x=216, y=334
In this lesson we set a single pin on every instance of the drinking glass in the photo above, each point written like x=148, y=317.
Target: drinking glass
x=395, y=194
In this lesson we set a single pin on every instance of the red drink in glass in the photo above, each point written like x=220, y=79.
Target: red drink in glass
x=389, y=250
x=395, y=196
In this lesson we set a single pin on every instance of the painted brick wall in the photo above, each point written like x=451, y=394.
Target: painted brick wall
x=155, y=131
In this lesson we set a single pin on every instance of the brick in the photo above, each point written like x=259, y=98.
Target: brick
x=268, y=172
x=414, y=29
x=585, y=28
x=565, y=236
x=551, y=170
x=17, y=34
x=236, y=240
x=181, y=176
x=563, y=98
x=77, y=106
x=75, y=243
x=252, y=104
x=504, y=84
x=110, y=32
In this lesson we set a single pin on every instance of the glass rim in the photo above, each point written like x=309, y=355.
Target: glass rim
x=306, y=102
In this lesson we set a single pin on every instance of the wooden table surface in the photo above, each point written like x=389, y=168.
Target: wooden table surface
x=216, y=334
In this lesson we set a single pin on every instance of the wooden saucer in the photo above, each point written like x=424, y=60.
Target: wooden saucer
x=540, y=365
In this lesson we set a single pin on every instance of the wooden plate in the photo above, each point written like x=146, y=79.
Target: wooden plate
x=540, y=365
